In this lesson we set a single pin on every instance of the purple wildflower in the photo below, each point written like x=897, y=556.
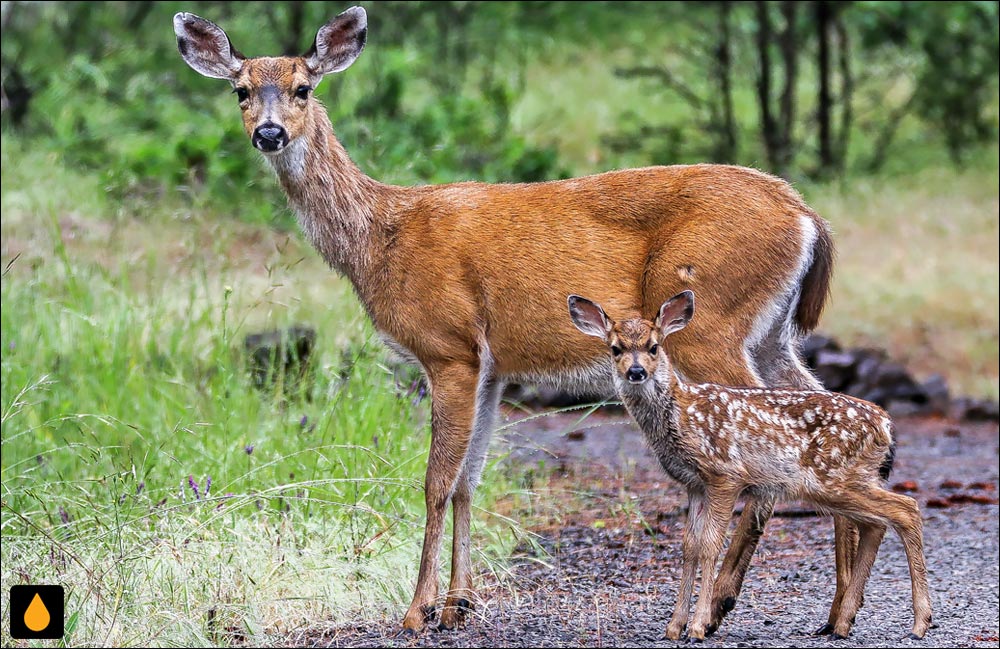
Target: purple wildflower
x=375, y=440
x=63, y=515
x=248, y=449
x=208, y=485
x=140, y=487
x=194, y=487
x=303, y=421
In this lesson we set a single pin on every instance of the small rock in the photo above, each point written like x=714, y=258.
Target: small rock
x=975, y=409
x=983, y=486
x=951, y=484
x=938, y=503
x=576, y=435
x=907, y=486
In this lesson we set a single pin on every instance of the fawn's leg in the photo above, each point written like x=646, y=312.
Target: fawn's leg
x=869, y=539
x=746, y=536
x=460, y=592
x=903, y=514
x=453, y=389
x=845, y=539
x=690, y=544
x=878, y=504
x=713, y=534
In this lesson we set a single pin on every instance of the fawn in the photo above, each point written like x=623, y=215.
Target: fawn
x=829, y=449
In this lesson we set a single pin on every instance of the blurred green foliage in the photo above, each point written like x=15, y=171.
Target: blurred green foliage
x=435, y=96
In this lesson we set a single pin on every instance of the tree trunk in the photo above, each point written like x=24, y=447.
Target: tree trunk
x=727, y=149
x=846, y=92
x=789, y=54
x=827, y=161
x=768, y=129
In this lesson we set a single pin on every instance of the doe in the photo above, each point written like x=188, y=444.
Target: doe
x=829, y=449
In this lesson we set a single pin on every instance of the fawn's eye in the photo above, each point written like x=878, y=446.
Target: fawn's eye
x=302, y=92
x=616, y=351
x=242, y=94
x=655, y=348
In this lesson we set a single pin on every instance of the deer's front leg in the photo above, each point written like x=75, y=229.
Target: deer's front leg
x=747, y=535
x=460, y=591
x=690, y=547
x=453, y=391
x=713, y=534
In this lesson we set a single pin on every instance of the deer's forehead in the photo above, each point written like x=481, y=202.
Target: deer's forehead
x=281, y=71
x=633, y=333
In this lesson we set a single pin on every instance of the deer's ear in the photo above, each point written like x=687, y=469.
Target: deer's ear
x=206, y=48
x=338, y=43
x=589, y=317
x=675, y=313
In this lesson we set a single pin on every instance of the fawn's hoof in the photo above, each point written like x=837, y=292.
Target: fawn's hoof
x=727, y=605
x=826, y=629
x=914, y=636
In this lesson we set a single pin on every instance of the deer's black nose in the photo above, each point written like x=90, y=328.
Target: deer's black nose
x=270, y=137
x=636, y=374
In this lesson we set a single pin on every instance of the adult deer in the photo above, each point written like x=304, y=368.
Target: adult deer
x=470, y=279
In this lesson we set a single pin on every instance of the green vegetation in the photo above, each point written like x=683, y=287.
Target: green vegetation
x=143, y=239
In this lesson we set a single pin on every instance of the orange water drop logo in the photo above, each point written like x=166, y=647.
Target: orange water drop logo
x=37, y=616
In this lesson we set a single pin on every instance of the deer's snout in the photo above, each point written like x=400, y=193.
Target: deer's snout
x=270, y=137
x=636, y=374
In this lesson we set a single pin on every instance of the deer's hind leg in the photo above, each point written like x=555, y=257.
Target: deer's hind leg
x=777, y=356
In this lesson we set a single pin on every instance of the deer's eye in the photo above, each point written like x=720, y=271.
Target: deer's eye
x=654, y=349
x=616, y=351
x=242, y=94
x=302, y=92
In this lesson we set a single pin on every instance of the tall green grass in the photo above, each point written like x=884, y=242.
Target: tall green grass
x=125, y=394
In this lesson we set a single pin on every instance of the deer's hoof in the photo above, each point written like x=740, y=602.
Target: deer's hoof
x=454, y=614
x=826, y=629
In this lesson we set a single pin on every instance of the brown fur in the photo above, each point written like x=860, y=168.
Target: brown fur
x=470, y=279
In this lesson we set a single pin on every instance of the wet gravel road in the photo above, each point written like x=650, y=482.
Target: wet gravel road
x=608, y=564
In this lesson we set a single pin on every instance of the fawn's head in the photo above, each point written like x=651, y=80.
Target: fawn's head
x=634, y=343
x=274, y=93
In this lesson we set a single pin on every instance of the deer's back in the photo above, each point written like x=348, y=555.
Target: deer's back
x=499, y=260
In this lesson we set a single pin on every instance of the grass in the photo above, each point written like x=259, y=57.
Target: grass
x=122, y=387
x=917, y=271
x=124, y=393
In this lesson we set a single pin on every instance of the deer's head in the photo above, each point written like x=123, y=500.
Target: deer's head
x=274, y=93
x=634, y=343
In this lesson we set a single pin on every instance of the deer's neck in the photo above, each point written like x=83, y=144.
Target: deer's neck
x=338, y=207
x=654, y=404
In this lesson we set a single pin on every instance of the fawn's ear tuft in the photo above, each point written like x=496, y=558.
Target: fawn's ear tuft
x=675, y=313
x=589, y=317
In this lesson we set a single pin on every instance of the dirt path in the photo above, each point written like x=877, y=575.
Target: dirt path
x=610, y=525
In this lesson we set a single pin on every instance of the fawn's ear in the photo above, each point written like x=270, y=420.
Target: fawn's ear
x=206, y=48
x=675, y=313
x=589, y=317
x=338, y=43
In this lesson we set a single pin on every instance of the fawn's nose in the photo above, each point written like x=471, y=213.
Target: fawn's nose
x=636, y=374
x=270, y=137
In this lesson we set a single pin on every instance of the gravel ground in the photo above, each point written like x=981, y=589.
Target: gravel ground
x=609, y=558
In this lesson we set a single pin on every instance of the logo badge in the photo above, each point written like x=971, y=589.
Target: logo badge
x=37, y=612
